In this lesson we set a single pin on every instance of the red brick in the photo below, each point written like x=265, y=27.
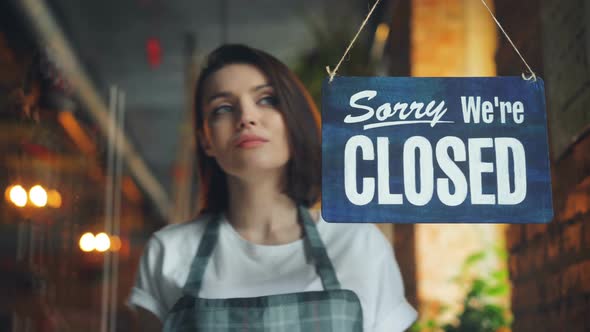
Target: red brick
x=513, y=236
x=520, y=298
x=525, y=261
x=553, y=248
x=552, y=288
x=532, y=258
x=571, y=238
x=576, y=203
x=531, y=298
x=527, y=294
x=586, y=234
x=540, y=256
x=570, y=283
x=535, y=230
x=584, y=270
x=513, y=266
x=540, y=290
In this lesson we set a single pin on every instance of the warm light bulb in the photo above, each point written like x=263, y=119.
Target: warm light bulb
x=7, y=193
x=38, y=196
x=18, y=196
x=87, y=242
x=102, y=242
x=382, y=32
x=115, y=243
x=54, y=199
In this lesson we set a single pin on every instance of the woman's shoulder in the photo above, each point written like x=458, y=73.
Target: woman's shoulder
x=353, y=238
x=178, y=234
x=347, y=229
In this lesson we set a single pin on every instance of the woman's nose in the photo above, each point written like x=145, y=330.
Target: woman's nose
x=249, y=115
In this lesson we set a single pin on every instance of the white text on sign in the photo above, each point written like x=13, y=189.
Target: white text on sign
x=474, y=110
x=472, y=154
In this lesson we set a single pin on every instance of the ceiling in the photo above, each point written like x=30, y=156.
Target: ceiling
x=110, y=38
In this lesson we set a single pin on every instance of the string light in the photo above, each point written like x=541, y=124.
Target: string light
x=38, y=196
x=18, y=195
x=54, y=199
x=115, y=243
x=87, y=242
x=7, y=193
x=102, y=242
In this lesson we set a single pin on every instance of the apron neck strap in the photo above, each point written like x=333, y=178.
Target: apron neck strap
x=206, y=246
x=314, y=243
x=312, y=240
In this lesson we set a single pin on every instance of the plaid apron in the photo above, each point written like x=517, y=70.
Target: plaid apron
x=333, y=309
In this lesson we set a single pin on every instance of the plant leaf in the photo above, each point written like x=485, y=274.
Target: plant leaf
x=474, y=258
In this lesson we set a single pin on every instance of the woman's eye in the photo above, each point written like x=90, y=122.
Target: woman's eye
x=269, y=100
x=221, y=109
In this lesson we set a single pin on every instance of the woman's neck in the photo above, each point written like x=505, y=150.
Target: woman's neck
x=261, y=212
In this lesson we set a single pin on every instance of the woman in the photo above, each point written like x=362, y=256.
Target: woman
x=258, y=258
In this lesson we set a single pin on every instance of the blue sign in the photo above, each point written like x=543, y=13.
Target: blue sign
x=444, y=150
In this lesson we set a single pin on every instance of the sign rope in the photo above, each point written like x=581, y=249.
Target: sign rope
x=533, y=76
x=333, y=73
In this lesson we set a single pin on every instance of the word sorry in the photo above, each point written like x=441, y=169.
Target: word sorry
x=432, y=113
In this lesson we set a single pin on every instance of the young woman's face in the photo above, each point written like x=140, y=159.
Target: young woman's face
x=244, y=130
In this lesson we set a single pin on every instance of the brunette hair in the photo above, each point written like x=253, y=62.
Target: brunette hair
x=301, y=118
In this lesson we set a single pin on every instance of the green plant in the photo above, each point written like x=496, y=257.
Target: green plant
x=331, y=40
x=483, y=310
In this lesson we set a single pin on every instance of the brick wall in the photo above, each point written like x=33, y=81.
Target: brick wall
x=550, y=264
x=438, y=38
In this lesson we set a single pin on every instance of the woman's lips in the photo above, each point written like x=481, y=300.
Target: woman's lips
x=251, y=144
x=250, y=141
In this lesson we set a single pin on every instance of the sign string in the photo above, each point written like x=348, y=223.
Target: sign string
x=533, y=76
x=333, y=73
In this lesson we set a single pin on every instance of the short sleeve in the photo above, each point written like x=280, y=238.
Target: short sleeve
x=393, y=313
x=147, y=291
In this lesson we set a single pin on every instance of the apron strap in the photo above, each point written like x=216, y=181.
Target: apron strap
x=323, y=265
x=206, y=246
x=312, y=240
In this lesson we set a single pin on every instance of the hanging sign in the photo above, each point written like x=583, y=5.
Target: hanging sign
x=449, y=150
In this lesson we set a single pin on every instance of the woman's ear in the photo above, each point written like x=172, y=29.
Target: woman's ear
x=205, y=144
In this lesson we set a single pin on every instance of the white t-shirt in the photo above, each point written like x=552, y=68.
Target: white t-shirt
x=362, y=258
